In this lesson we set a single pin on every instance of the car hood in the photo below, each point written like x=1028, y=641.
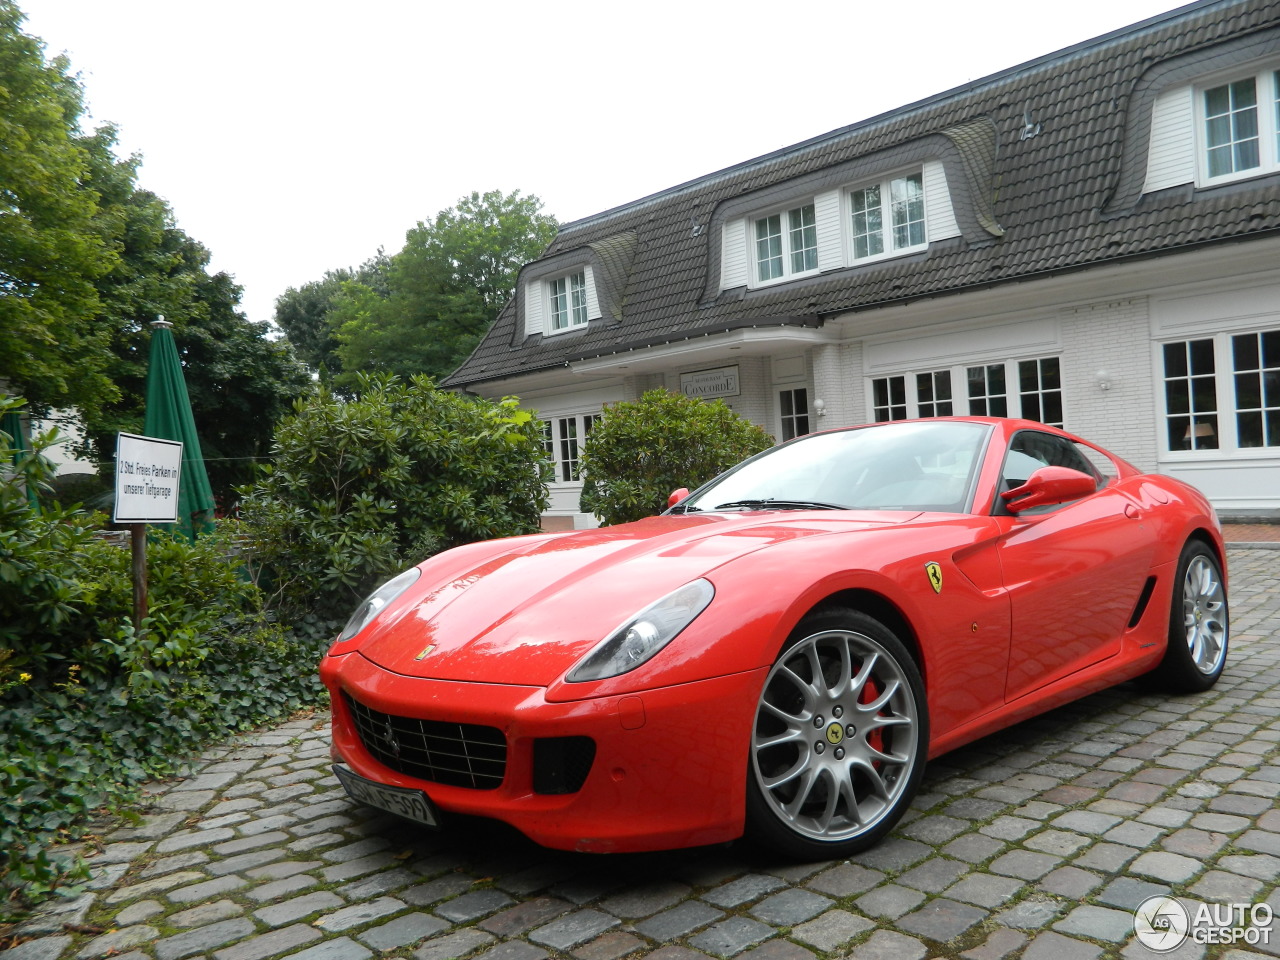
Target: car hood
x=527, y=609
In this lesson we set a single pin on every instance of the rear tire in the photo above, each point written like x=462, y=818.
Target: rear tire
x=1199, y=624
x=839, y=741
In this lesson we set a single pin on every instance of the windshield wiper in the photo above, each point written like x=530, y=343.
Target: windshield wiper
x=773, y=503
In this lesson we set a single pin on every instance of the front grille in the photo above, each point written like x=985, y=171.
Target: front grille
x=456, y=754
x=561, y=764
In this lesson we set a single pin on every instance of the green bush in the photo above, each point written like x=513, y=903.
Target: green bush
x=91, y=707
x=361, y=489
x=639, y=452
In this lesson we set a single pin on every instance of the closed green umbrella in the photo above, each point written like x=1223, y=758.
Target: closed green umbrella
x=169, y=418
x=11, y=424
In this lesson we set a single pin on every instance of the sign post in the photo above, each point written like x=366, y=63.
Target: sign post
x=147, y=475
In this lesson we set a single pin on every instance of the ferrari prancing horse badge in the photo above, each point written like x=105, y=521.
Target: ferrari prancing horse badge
x=935, y=575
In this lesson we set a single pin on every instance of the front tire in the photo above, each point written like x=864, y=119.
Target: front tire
x=839, y=741
x=1199, y=624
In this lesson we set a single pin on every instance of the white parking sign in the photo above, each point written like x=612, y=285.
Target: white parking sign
x=147, y=474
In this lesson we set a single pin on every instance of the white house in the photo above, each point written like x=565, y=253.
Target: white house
x=1090, y=239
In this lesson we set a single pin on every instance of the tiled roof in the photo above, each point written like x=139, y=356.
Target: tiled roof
x=1066, y=198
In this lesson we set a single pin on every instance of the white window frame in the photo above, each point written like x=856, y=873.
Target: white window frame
x=565, y=450
x=788, y=248
x=1267, y=89
x=960, y=401
x=576, y=312
x=889, y=248
x=1224, y=418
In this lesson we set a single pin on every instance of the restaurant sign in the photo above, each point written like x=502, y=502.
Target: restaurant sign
x=708, y=384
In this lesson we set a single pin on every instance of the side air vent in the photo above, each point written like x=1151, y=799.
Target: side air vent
x=1148, y=588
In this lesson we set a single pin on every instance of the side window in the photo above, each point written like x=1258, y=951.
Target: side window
x=1030, y=451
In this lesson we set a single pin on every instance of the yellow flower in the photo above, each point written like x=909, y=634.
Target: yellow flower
x=24, y=677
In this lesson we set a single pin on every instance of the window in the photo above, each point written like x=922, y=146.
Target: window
x=786, y=244
x=933, y=394
x=1029, y=451
x=1240, y=126
x=794, y=412
x=568, y=296
x=1040, y=389
x=984, y=392
x=562, y=440
x=987, y=396
x=1207, y=408
x=889, y=398
x=887, y=218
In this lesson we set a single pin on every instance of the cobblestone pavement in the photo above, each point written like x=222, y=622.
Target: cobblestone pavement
x=1035, y=843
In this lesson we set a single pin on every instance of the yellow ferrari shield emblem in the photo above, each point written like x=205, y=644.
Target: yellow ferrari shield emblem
x=934, y=572
x=426, y=651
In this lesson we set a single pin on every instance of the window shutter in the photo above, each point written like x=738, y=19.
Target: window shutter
x=1171, y=156
x=533, y=320
x=826, y=210
x=593, y=300
x=733, y=255
x=940, y=216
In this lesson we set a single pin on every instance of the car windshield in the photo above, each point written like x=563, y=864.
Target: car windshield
x=918, y=465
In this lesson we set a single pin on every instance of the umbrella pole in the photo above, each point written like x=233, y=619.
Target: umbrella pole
x=139, y=575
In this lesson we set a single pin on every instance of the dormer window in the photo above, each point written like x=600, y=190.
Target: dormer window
x=1240, y=126
x=786, y=244
x=887, y=218
x=568, y=301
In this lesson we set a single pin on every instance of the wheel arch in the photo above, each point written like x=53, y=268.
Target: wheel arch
x=880, y=607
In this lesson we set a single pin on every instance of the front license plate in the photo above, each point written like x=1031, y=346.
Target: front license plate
x=410, y=804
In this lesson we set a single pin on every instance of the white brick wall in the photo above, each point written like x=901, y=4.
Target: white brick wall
x=1113, y=337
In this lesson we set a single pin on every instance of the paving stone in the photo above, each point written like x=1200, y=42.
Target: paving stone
x=1218, y=886
x=43, y=948
x=205, y=913
x=1082, y=821
x=778, y=950
x=350, y=869
x=790, y=907
x=890, y=901
x=680, y=920
x=647, y=899
x=1107, y=857
x=934, y=875
x=402, y=931
x=515, y=950
x=283, y=887
x=279, y=914
x=575, y=928
x=1128, y=892
x=1098, y=923
x=1002, y=943
x=425, y=894
x=193, y=838
x=974, y=847
x=1025, y=864
x=472, y=906
x=892, y=854
x=1057, y=842
x=138, y=913
x=730, y=937
x=1031, y=914
x=387, y=881
x=984, y=889
x=936, y=829
x=340, y=949
x=457, y=944
x=1070, y=882
x=831, y=930
x=1169, y=867
x=1141, y=835
x=282, y=869
x=887, y=945
x=52, y=915
x=1054, y=946
x=203, y=891
x=203, y=939
x=525, y=916
x=357, y=914
x=942, y=919
x=1259, y=841
x=118, y=941
x=1261, y=866
x=1009, y=828
x=179, y=861
x=245, y=861
x=845, y=880
x=974, y=808
x=148, y=887
x=743, y=890
x=610, y=946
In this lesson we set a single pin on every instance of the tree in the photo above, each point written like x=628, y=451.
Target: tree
x=241, y=382
x=444, y=289
x=639, y=452
x=303, y=312
x=51, y=248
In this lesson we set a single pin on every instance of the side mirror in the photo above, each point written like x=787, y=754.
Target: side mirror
x=1047, y=486
x=677, y=496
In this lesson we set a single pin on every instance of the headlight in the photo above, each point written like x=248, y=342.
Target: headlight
x=375, y=602
x=640, y=637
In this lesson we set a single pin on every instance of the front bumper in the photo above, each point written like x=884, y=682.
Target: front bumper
x=669, y=770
